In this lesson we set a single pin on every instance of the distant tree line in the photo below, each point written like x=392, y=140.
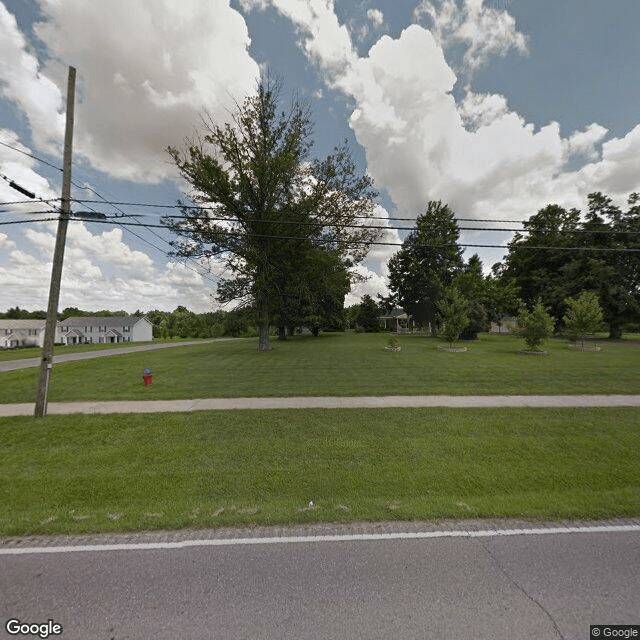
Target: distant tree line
x=563, y=253
x=180, y=323
x=16, y=313
x=558, y=258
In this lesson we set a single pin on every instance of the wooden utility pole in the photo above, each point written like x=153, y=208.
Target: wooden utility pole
x=46, y=363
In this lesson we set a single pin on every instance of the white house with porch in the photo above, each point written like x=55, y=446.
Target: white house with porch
x=95, y=329
x=397, y=320
x=21, y=333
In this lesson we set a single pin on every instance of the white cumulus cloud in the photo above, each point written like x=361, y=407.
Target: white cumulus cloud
x=485, y=31
x=376, y=17
x=23, y=83
x=584, y=142
x=146, y=70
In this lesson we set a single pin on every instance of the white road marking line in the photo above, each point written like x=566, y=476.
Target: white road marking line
x=227, y=542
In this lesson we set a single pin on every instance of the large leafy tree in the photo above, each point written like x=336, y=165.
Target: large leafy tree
x=564, y=253
x=538, y=270
x=315, y=296
x=427, y=262
x=265, y=196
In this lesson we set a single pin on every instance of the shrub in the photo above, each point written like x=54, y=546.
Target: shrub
x=453, y=311
x=534, y=326
x=584, y=315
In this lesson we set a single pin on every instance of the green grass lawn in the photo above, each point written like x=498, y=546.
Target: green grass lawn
x=339, y=364
x=23, y=353
x=126, y=472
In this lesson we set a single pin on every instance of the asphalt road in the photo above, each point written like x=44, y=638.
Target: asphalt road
x=509, y=587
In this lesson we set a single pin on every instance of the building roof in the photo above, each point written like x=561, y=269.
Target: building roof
x=100, y=321
x=396, y=313
x=22, y=324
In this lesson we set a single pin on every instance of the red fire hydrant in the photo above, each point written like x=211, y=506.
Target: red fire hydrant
x=147, y=377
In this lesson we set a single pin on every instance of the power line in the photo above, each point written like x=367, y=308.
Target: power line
x=30, y=155
x=28, y=221
x=28, y=213
x=116, y=205
x=151, y=244
x=386, y=227
x=201, y=208
x=104, y=201
x=392, y=244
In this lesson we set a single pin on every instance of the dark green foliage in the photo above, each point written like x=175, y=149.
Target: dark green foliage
x=501, y=295
x=182, y=323
x=368, y=315
x=535, y=326
x=311, y=293
x=595, y=252
x=471, y=284
x=16, y=313
x=427, y=263
x=453, y=312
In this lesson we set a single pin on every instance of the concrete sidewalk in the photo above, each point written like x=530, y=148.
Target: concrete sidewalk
x=325, y=402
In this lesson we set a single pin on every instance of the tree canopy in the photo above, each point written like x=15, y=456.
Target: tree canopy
x=427, y=262
x=562, y=253
x=268, y=212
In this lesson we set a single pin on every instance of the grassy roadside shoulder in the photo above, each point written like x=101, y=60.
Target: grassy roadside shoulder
x=81, y=474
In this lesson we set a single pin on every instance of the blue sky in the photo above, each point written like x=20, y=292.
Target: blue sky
x=497, y=107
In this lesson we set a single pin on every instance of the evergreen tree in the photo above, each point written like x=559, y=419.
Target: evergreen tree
x=368, y=317
x=427, y=263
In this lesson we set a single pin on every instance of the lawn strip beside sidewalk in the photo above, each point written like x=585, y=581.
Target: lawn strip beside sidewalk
x=89, y=474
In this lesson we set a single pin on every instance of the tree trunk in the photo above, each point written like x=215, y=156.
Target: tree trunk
x=615, y=331
x=264, y=344
x=282, y=333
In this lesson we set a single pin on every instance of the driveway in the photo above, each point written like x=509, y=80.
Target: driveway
x=27, y=363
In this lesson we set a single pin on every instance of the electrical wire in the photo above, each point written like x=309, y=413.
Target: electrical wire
x=360, y=226
x=116, y=205
x=30, y=155
x=28, y=221
x=391, y=228
x=177, y=206
x=392, y=244
x=148, y=227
